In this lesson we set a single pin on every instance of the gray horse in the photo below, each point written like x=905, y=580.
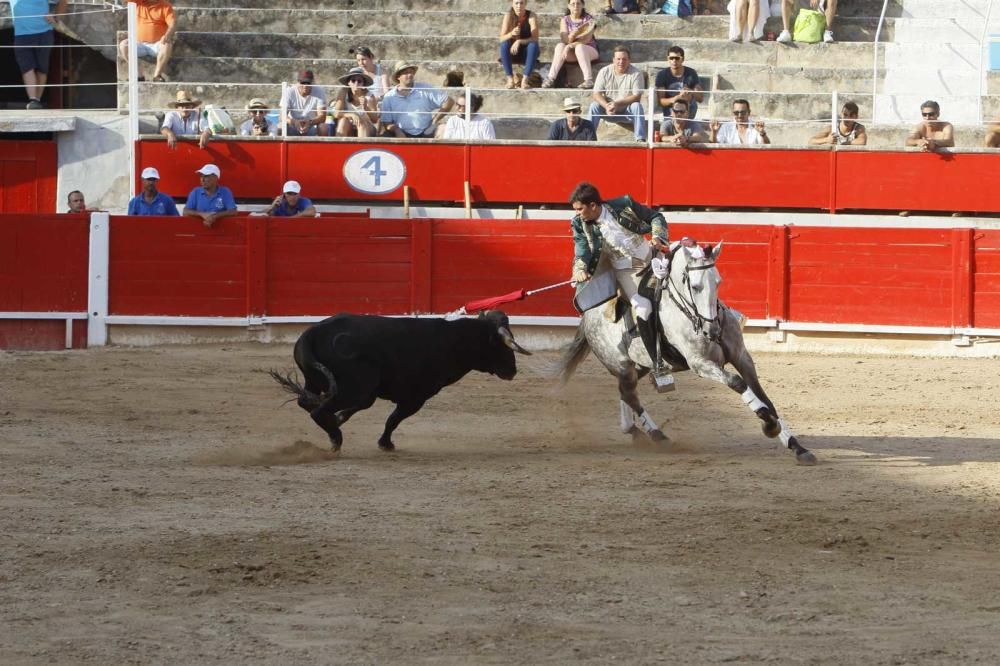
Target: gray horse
x=706, y=333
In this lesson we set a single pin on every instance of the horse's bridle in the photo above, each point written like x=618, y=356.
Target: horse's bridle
x=687, y=305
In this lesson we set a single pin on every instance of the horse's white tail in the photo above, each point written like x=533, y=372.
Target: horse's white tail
x=572, y=356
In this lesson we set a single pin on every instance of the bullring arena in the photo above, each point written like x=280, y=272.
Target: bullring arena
x=162, y=502
x=159, y=505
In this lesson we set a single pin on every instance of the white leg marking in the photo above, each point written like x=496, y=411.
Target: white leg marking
x=626, y=416
x=786, y=433
x=647, y=422
x=752, y=401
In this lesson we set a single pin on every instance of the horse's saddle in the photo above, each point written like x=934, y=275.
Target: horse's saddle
x=648, y=330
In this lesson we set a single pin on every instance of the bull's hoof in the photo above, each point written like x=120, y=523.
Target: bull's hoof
x=805, y=458
x=386, y=445
x=336, y=440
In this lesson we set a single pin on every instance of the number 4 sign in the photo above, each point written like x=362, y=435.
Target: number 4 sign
x=374, y=171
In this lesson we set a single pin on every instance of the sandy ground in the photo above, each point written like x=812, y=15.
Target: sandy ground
x=160, y=506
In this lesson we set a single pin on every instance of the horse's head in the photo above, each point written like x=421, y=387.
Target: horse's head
x=695, y=276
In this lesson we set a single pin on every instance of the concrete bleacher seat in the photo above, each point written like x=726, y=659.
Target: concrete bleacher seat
x=230, y=50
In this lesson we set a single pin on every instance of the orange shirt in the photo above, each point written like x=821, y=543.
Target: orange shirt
x=153, y=19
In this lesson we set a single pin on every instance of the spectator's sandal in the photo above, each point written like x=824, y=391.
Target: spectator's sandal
x=548, y=83
x=511, y=83
x=159, y=79
x=587, y=85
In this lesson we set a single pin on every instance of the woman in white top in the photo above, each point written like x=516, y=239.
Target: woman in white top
x=355, y=109
x=380, y=79
x=477, y=128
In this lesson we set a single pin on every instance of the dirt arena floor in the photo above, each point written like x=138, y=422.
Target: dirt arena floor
x=159, y=505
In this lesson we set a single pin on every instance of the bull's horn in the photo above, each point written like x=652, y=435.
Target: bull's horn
x=508, y=339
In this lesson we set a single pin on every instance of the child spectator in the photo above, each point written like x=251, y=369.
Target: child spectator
x=577, y=44
x=519, y=42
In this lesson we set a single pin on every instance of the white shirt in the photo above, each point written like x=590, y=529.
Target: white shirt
x=300, y=107
x=623, y=245
x=729, y=134
x=477, y=129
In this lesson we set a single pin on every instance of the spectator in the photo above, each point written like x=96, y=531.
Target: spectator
x=993, y=134
x=519, y=42
x=789, y=8
x=739, y=131
x=621, y=7
x=155, y=28
x=355, y=110
x=849, y=131
x=677, y=130
x=477, y=128
x=185, y=121
x=617, y=94
x=678, y=83
x=573, y=127
x=151, y=201
x=211, y=202
x=306, y=107
x=380, y=80
x=76, y=202
x=33, y=39
x=576, y=44
x=411, y=110
x=291, y=203
x=747, y=19
x=258, y=123
x=931, y=133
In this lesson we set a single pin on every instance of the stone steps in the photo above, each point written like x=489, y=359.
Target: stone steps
x=365, y=22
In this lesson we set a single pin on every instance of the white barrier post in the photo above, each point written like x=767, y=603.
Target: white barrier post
x=283, y=111
x=650, y=116
x=878, y=36
x=97, y=279
x=133, y=96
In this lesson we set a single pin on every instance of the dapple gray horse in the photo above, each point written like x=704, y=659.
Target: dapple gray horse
x=705, y=332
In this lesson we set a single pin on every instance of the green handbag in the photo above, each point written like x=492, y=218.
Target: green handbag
x=809, y=26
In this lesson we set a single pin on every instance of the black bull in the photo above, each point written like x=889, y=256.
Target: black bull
x=350, y=360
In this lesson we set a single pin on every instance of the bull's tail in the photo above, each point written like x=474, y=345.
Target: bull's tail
x=308, y=362
x=572, y=356
x=290, y=383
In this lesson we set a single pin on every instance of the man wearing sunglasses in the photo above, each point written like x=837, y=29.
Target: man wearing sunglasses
x=678, y=82
x=738, y=131
x=258, y=124
x=574, y=127
x=678, y=130
x=931, y=133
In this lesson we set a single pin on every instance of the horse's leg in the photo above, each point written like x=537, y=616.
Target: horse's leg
x=628, y=384
x=757, y=401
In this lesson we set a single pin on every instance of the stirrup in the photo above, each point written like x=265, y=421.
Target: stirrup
x=662, y=379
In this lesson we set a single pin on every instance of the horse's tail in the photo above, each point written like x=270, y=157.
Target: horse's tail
x=572, y=356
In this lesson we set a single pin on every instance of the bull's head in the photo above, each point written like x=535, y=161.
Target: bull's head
x=502, y=362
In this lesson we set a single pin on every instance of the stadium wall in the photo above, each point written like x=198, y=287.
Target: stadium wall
x=868, y=276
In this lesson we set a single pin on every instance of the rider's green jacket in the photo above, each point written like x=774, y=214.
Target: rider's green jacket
x=635, y=217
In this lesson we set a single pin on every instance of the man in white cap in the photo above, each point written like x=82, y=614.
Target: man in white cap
x=185, y=120
x=411, y=110
x=211, y=202
x=574, y=127
x=291, y=203
x=151, y=201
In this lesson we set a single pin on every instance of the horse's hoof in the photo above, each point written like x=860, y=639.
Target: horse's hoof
x=386, y=445
x=658, y=437
x=805, y=458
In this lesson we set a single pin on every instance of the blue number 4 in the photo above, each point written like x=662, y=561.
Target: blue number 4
x=374, y=166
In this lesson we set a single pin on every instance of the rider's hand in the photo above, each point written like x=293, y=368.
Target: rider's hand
x=580, y=275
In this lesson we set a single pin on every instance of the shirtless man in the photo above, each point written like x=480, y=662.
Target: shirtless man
x=849, y=131
x=993, y=134
x=931, y=133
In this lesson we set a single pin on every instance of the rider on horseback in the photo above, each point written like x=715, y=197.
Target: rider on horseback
x=609, y=237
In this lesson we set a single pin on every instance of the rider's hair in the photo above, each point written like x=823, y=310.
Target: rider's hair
x=586, y=194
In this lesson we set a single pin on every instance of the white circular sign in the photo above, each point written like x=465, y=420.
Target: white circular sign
x=374, y=171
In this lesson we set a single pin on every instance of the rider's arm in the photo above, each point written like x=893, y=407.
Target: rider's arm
x=653, y=217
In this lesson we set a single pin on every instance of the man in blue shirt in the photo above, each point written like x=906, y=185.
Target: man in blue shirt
x=411, y=110
x=151, y=201
x=211, y=202
x=33, y=38
x=291, y=203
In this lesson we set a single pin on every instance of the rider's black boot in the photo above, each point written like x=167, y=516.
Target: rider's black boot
x=662, y=379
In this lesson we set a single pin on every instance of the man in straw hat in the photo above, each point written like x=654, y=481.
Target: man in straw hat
x=574, y=127
x=411, y=110
x=185, y=121
x=306, y=106
x=258, y=124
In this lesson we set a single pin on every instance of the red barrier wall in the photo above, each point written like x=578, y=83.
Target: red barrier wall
x=28, y=176
x=43, y=268
x=819, y=179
